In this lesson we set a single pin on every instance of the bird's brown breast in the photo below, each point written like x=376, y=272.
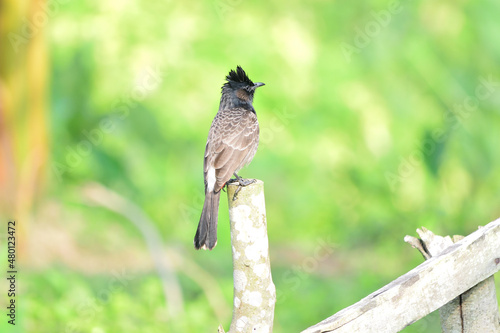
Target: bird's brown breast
x=232, y=143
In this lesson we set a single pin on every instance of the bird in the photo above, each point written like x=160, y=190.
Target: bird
x=232, y=142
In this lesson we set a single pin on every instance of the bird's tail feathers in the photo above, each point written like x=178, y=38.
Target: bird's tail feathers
x=206, y=234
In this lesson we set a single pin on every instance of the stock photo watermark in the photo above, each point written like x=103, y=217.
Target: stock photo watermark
x=456, y=116
x=278, y=123
x=91, y=306
x=226, y=7
x=370, y=30
x=31, y=26
x=121, y=108
x=11, y=272
x=292, y=278
x=192, y=212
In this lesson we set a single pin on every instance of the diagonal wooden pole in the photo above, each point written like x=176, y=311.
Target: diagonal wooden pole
x=476, y=310
x=254, y=290
x=424, y=289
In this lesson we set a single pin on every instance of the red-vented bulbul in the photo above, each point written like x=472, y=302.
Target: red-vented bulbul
x=232, y=142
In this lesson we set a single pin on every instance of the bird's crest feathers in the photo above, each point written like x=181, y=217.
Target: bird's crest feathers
x=238, y=76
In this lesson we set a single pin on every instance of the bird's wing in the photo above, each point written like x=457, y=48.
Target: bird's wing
x=232, y=141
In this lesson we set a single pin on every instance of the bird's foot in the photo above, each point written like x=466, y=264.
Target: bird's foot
x=246, y=182
x=232, y=180
x=241, y=183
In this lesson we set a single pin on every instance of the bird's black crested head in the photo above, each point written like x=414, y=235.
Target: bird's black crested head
x=238, y=91
x=237, y=79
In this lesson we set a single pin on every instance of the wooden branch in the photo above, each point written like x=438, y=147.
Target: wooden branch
x=105, y=197
x=424, y=289
x=476, y=310
x=254, y=290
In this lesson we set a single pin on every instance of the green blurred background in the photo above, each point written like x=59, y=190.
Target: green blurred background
x=376, y=118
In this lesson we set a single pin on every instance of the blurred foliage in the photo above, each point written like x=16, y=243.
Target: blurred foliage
x=376, y=118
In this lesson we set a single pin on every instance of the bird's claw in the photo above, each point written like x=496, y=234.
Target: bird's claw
x=242, y=183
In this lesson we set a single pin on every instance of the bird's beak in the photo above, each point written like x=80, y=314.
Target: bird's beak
x=258, y=84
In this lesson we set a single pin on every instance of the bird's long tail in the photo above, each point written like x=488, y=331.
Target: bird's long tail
x=206, y=234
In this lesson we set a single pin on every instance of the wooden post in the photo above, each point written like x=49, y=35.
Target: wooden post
x=476, y=310
x=254, y=290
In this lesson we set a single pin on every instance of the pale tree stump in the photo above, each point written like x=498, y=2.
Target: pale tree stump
x=474, y=311
x=254, y=290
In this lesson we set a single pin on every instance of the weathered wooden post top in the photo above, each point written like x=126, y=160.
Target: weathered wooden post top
x=254, y=291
